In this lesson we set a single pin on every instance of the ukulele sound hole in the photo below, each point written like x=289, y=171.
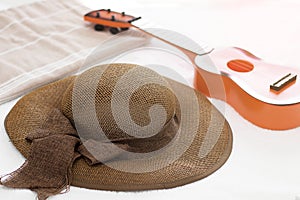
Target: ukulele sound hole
x=240, y=65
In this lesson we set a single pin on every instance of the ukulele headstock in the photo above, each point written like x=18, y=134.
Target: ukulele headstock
x=115, y=21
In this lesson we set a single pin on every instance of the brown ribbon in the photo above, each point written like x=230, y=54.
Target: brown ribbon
x=54, y=148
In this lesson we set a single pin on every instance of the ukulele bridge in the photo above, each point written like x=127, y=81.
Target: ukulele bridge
x=283, y=82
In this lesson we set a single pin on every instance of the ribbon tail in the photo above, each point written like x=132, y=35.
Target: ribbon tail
x=48, y=168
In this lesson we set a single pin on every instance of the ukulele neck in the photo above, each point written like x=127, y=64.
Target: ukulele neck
x=181, y=42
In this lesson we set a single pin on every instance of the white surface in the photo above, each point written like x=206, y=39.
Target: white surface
x=264, y=164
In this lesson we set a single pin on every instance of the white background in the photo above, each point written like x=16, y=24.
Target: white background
x=264, y=164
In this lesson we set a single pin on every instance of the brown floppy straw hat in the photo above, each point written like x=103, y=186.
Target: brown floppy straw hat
x=119, y=127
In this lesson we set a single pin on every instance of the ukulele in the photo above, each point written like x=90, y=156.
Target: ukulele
x=262, y=93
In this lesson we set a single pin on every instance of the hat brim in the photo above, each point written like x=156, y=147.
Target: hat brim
x=32, y=111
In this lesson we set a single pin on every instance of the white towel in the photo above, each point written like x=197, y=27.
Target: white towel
x=46, y=41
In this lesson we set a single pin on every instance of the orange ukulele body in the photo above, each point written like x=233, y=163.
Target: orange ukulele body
x=248, y=85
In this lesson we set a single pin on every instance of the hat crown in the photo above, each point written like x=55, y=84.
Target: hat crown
x=129, y=102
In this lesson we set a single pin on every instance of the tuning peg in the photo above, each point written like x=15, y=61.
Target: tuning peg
x=113, y=18
x=108, y=10
x=98, y=15
x=123, y=13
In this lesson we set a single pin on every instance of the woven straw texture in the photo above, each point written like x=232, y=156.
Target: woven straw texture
x=32, y=112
